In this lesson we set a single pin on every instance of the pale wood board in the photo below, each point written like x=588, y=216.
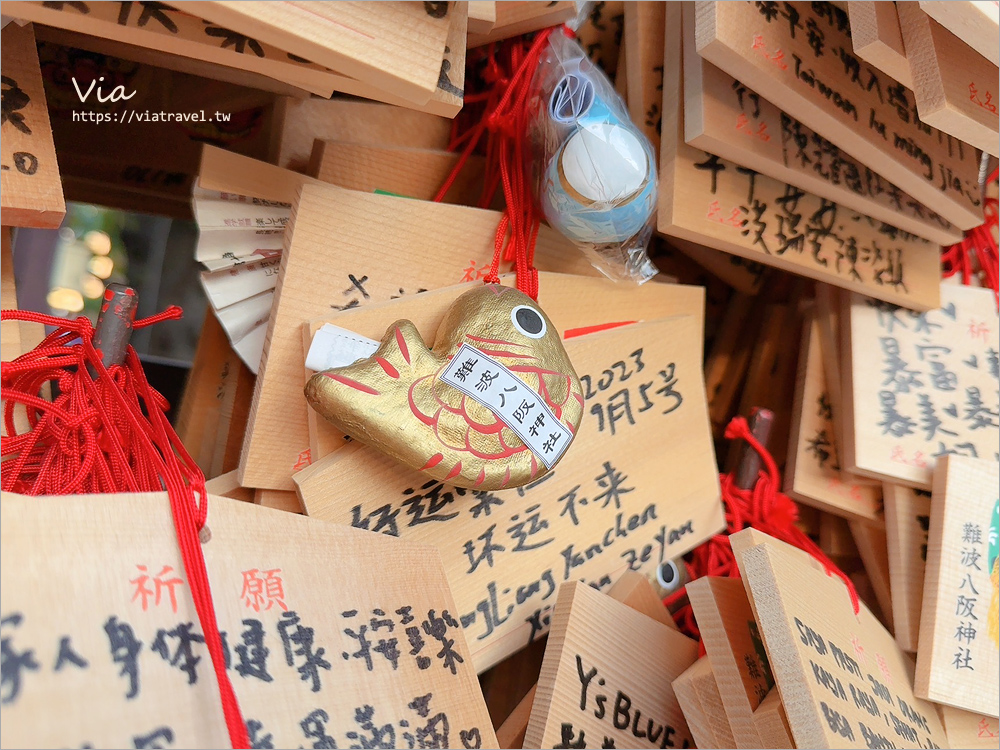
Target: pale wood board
x=907, y=521
x=29, y=174
x=402, y=246
x=631, y=589
x=227, y=172
x=214, y=407
x=698, y=696
x=567, y=301
x=771, y=722
x=298, y=124
x=955, y=665
x=812, y=472
x=449, y=97
x=578, y=645
x=955, y=88
x=643, y=33
x=177, y=32
x=726, y=118
x=227, y=485
x=743, y=275
x=278, y=500
x=482, y=16
x=890, y=402
x=410, y=172
x=870, y=539
x=854, y=112
x=969, y=730
x=733, y=643
x=877, y=39
x=976, y=22
x=506, y=596
x=92, y=546
x=711, y=205
x=396, y=46
x=821, y=653
x=601, y=36
x=516, y=17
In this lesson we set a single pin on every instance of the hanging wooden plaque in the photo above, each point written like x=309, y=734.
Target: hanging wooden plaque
x=801, y=56
x=701, y=703
x=907, y=521
x=977, y=22
x=920, y=386
x=32, y=194
x=595, y=687
x=843, y=680
x=599, y=512
x=712, y=202
x=877, y=39
x=123, y=659
x=958, y=659
x=726, y=118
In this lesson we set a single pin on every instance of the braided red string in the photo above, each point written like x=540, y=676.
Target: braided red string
x=764, y=508
x=108, y=434
x=508, y=72
x=979, y=242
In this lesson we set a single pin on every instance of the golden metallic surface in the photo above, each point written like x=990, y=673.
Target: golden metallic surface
x=396, y=402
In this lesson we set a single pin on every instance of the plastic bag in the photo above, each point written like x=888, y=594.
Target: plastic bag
x=594, y=172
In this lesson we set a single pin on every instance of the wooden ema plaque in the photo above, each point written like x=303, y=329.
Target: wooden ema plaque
x=976, y=22
x=516, y=17
x=907, y=522
x=449, y=96
x=643, y=34
x=843, y=680
x=877, y=39
x=507, y=551
x=969, y=730
x=597, y=691
x=712, y=202
x=395, y=46
x=298, y=124
x=386, y=247
x=726, y=118
x=353, y=658
x=958, y=659
x=955, y=88
x=771, y=722
x=698, y=696
x=29, y=174
x=567, y=301
x=812, y=473
x=178, y=32
x=801, y=55
x=920, y=386
x=736, y=650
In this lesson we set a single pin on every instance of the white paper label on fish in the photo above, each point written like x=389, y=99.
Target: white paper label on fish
x=482, y=378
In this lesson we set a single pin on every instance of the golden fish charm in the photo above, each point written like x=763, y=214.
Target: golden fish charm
x=494, y=405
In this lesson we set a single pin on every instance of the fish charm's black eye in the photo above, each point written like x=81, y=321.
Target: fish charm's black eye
x=528, y=321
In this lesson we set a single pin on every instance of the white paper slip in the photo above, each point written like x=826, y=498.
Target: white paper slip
x=482, y=378
x=333, y=346
x=241, y=318
x=199, y=193
x=241, y=214
x=238, y=282
x=214, y=244
x=251, y=347
x=229, y=260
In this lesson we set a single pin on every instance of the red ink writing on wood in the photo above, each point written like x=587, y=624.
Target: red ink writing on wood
x=263, y=590
x=303, y=460
x=715, y=213
x=160, y=582
x=743, y=126
x=986, y=103
x=777, y=57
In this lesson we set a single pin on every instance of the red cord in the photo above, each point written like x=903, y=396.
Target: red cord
x=508, y=72
x=108, y=434
x=981, y=242
x=763, y=508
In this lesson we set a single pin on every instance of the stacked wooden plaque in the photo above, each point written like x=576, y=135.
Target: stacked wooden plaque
x=813, y=161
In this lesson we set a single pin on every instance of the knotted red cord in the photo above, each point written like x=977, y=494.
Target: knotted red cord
x=981, y=242
x=764, y=508
x=508, y=73
x=108, y=433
